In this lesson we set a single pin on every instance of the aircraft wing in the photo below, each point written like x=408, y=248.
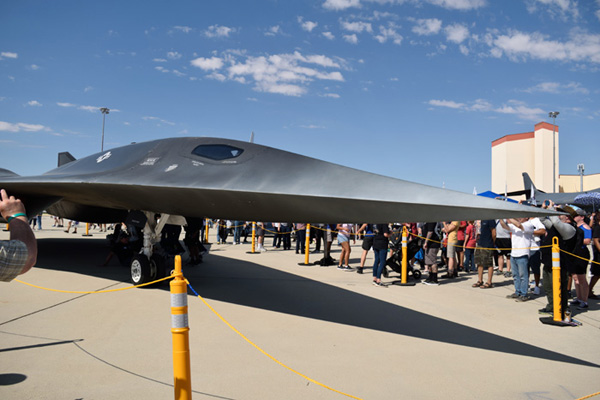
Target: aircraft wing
x=220, y=178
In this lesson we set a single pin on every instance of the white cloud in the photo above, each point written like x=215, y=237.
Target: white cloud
x=557, y=88
x=328, y=35
x=173, y=55
x=519, y=109
x=307, y=25
x=357, y=26
x=88, y=89
x=340, y=4
x=184, y=29
x=288, y=74
x=66, y=105
x=332, y=95
x=459, y=4
x=351, y=38
x=7, y=54
x=456, y=33
x=218, y=31
x=562, y=9
x=272, y=31
x=21, y=126
x=34, y=67
x=34, y=103
x=159, y=60
x=426, y=27
x=207, y=64
x=89, y=108
x=159, y=120
x=388, y=33
x=516, y=45
x=446, y=103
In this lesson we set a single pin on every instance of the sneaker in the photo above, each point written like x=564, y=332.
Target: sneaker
x=499, y=272
x=582, y=306
x=359, y=270
x=341, y=267
x=348, y=268
x=575, y=302
x=431, y=283
x=536, y=290
x=378, y=284
x=522, y=298
x=513, y=296
x=545, y=311
x=508, y=274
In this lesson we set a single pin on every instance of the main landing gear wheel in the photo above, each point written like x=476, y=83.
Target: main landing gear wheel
x=140, y=269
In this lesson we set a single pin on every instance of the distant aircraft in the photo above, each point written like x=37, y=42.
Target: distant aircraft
x=220, y=178
x=534, y=194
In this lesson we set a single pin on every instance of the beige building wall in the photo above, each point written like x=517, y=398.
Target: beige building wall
x=529, y=152
x=572, y=183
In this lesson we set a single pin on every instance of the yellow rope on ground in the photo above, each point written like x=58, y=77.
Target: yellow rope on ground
x=589, y=396
x=94, y=292
x=267, y=354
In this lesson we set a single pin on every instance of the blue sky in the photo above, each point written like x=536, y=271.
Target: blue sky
x=412, y=89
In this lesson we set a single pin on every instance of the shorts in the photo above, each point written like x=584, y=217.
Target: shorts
x=451, y=250
x=431, y=255
x=535, y=260
x=367, y=243
x=260, y=231
x=459, y=246
x=484, y=258
x=504, y=246
x=342, y=239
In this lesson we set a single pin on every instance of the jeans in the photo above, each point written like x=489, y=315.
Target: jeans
x=470, y=260
x=520, y=271
x=300, y=239
x=379, y=265
x=237, y=231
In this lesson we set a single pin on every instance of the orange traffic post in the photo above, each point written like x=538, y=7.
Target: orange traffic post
x=557, y=315
x=182, y=372
x=87, y=229
x=206, y=231
x=404, y=278
x=306, y=246
x=253, y=237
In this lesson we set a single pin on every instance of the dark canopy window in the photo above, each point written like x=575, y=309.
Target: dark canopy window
x=217, y=152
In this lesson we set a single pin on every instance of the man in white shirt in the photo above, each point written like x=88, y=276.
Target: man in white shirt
x=521, y=240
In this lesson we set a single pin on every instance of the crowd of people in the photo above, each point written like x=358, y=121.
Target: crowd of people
x=516, y=248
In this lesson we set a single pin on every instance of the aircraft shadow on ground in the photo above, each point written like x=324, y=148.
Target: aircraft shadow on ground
x=250, y=284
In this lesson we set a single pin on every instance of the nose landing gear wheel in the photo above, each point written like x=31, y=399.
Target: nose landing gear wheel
x=140, y=269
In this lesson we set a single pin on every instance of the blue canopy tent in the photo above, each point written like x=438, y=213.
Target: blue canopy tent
x=496, y=196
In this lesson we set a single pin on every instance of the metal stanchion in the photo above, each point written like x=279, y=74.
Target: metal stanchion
x=182, y=373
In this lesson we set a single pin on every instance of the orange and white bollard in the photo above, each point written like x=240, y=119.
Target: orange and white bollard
x=182, y=373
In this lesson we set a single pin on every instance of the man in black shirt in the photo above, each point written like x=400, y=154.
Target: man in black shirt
x=431, y=247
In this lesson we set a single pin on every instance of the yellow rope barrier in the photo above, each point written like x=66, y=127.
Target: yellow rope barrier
x=589, y=396
x=93, y=292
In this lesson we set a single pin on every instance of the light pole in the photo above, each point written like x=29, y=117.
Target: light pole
x=104, y=111
x=553, y=114
x=580, y=168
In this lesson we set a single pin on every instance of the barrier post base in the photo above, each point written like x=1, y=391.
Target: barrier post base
x=551, y=321
x=399, y=283
x=306, y=265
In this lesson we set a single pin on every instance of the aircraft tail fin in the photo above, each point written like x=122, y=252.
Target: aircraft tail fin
x=528, y=183
x=64, y=158
x=5, y=173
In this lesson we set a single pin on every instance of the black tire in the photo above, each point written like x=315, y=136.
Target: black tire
x=416, y=274
x=158, y=267
x=140, y=269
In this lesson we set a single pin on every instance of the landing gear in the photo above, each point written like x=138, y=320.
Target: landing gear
x=148, y=265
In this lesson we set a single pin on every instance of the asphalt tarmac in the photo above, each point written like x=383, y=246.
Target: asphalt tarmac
x=450, y=341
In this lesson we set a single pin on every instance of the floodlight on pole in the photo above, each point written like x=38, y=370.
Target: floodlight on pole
x=553, y=115
x=104, y=111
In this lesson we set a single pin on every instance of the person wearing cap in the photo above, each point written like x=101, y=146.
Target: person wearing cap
x=563, y=228
x=18, y=254
x=579, y=265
